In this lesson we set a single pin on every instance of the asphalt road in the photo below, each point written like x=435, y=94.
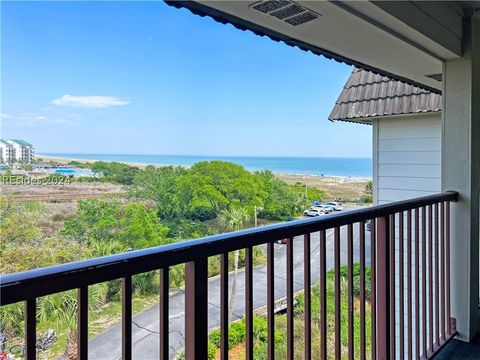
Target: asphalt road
x=145, y=327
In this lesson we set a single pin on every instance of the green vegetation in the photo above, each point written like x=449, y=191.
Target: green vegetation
x=208, y=188
x=115, y=172
x=367, y=198
x=236, y=331
x=164, y=205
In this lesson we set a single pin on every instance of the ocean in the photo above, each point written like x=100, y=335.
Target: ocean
x=327, y=166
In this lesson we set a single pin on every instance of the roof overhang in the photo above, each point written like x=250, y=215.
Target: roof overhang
x=405, y=40
x=370, y=119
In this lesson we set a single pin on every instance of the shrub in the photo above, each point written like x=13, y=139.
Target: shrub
x=366, y=199
x=212, y=351
x=236, y=334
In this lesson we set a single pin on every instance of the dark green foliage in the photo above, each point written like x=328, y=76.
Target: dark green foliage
x=183, y=229
x=369, y=187
x=133, y=225
x=115, y=172
x=208, y=188
x=236, y=334
x=162, y=186
x=366, y=199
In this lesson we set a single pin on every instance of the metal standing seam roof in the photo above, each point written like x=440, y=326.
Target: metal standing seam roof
x=21, y=142
x=369, y=95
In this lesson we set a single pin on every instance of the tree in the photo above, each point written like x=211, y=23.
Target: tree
x=96, y=220
x=160, y=184
x=233, y=219
x=116, y=172
x=133, y=225
x=369, y=187
x=237, y=186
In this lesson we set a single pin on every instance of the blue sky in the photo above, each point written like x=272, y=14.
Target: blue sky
x=146, y=78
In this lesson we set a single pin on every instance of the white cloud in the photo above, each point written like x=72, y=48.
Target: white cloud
x=89, y=101
x=28, y=119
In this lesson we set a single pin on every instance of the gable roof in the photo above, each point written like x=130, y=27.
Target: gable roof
x=4, y=142
x=369, y=95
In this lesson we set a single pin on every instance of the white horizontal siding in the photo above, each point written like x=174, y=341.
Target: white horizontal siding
x=406, y=170
x=408, y=157
x=412, y=144
x=408, y=183
x=408, y=153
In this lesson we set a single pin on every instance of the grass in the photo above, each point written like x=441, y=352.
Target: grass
x=99, y=321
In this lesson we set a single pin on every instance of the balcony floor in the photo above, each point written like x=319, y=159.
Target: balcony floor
x=457, y=349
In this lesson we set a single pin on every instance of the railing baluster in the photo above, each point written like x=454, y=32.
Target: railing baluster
x=323, y=296
x=417, y=284
x=409, y=283
x=307, y=290
x=430, y=280
x=249, y=302
x=424, y=281
x=373, y=284
x=196, y=309
x=127, y=318
x=82, y=323
x=270, y=301
x=383, y=289
x=290, y=323
x=350, y=290
x=401, y=284
x=435, y=240
x=30, y=328
x=362, y=291
x=164, y=317
x=437, y=275
x=447, y=263
x=338, y=345
x=392, y=284
x=442, y=274
x=224, y=320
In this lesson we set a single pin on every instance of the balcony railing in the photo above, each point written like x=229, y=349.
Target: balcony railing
x=410, y=269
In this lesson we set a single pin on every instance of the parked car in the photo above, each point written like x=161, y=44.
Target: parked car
x=337, y=206
x=314, y=211
x=326, y=209
x=329, y=207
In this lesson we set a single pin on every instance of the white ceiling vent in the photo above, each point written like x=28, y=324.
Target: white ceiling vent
x=286, y=10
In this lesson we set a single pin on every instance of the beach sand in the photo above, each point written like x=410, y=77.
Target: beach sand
x=347, y=188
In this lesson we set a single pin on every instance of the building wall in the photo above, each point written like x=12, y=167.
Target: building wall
x=407, y=164
x=407, y=157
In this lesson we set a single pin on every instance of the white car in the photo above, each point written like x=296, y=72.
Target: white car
x=336, y=205
x=314, y=212
x=326, y=209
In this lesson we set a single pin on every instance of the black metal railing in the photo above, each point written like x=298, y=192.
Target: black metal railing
x=421, y=223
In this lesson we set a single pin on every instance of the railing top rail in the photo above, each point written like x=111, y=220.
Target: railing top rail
x=39, y=282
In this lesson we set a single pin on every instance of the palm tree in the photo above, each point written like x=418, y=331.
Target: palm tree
x=233, y=219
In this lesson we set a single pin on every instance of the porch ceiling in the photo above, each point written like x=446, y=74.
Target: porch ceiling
x=406, y=40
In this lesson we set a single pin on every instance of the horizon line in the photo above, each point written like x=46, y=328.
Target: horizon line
x=203, y=155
